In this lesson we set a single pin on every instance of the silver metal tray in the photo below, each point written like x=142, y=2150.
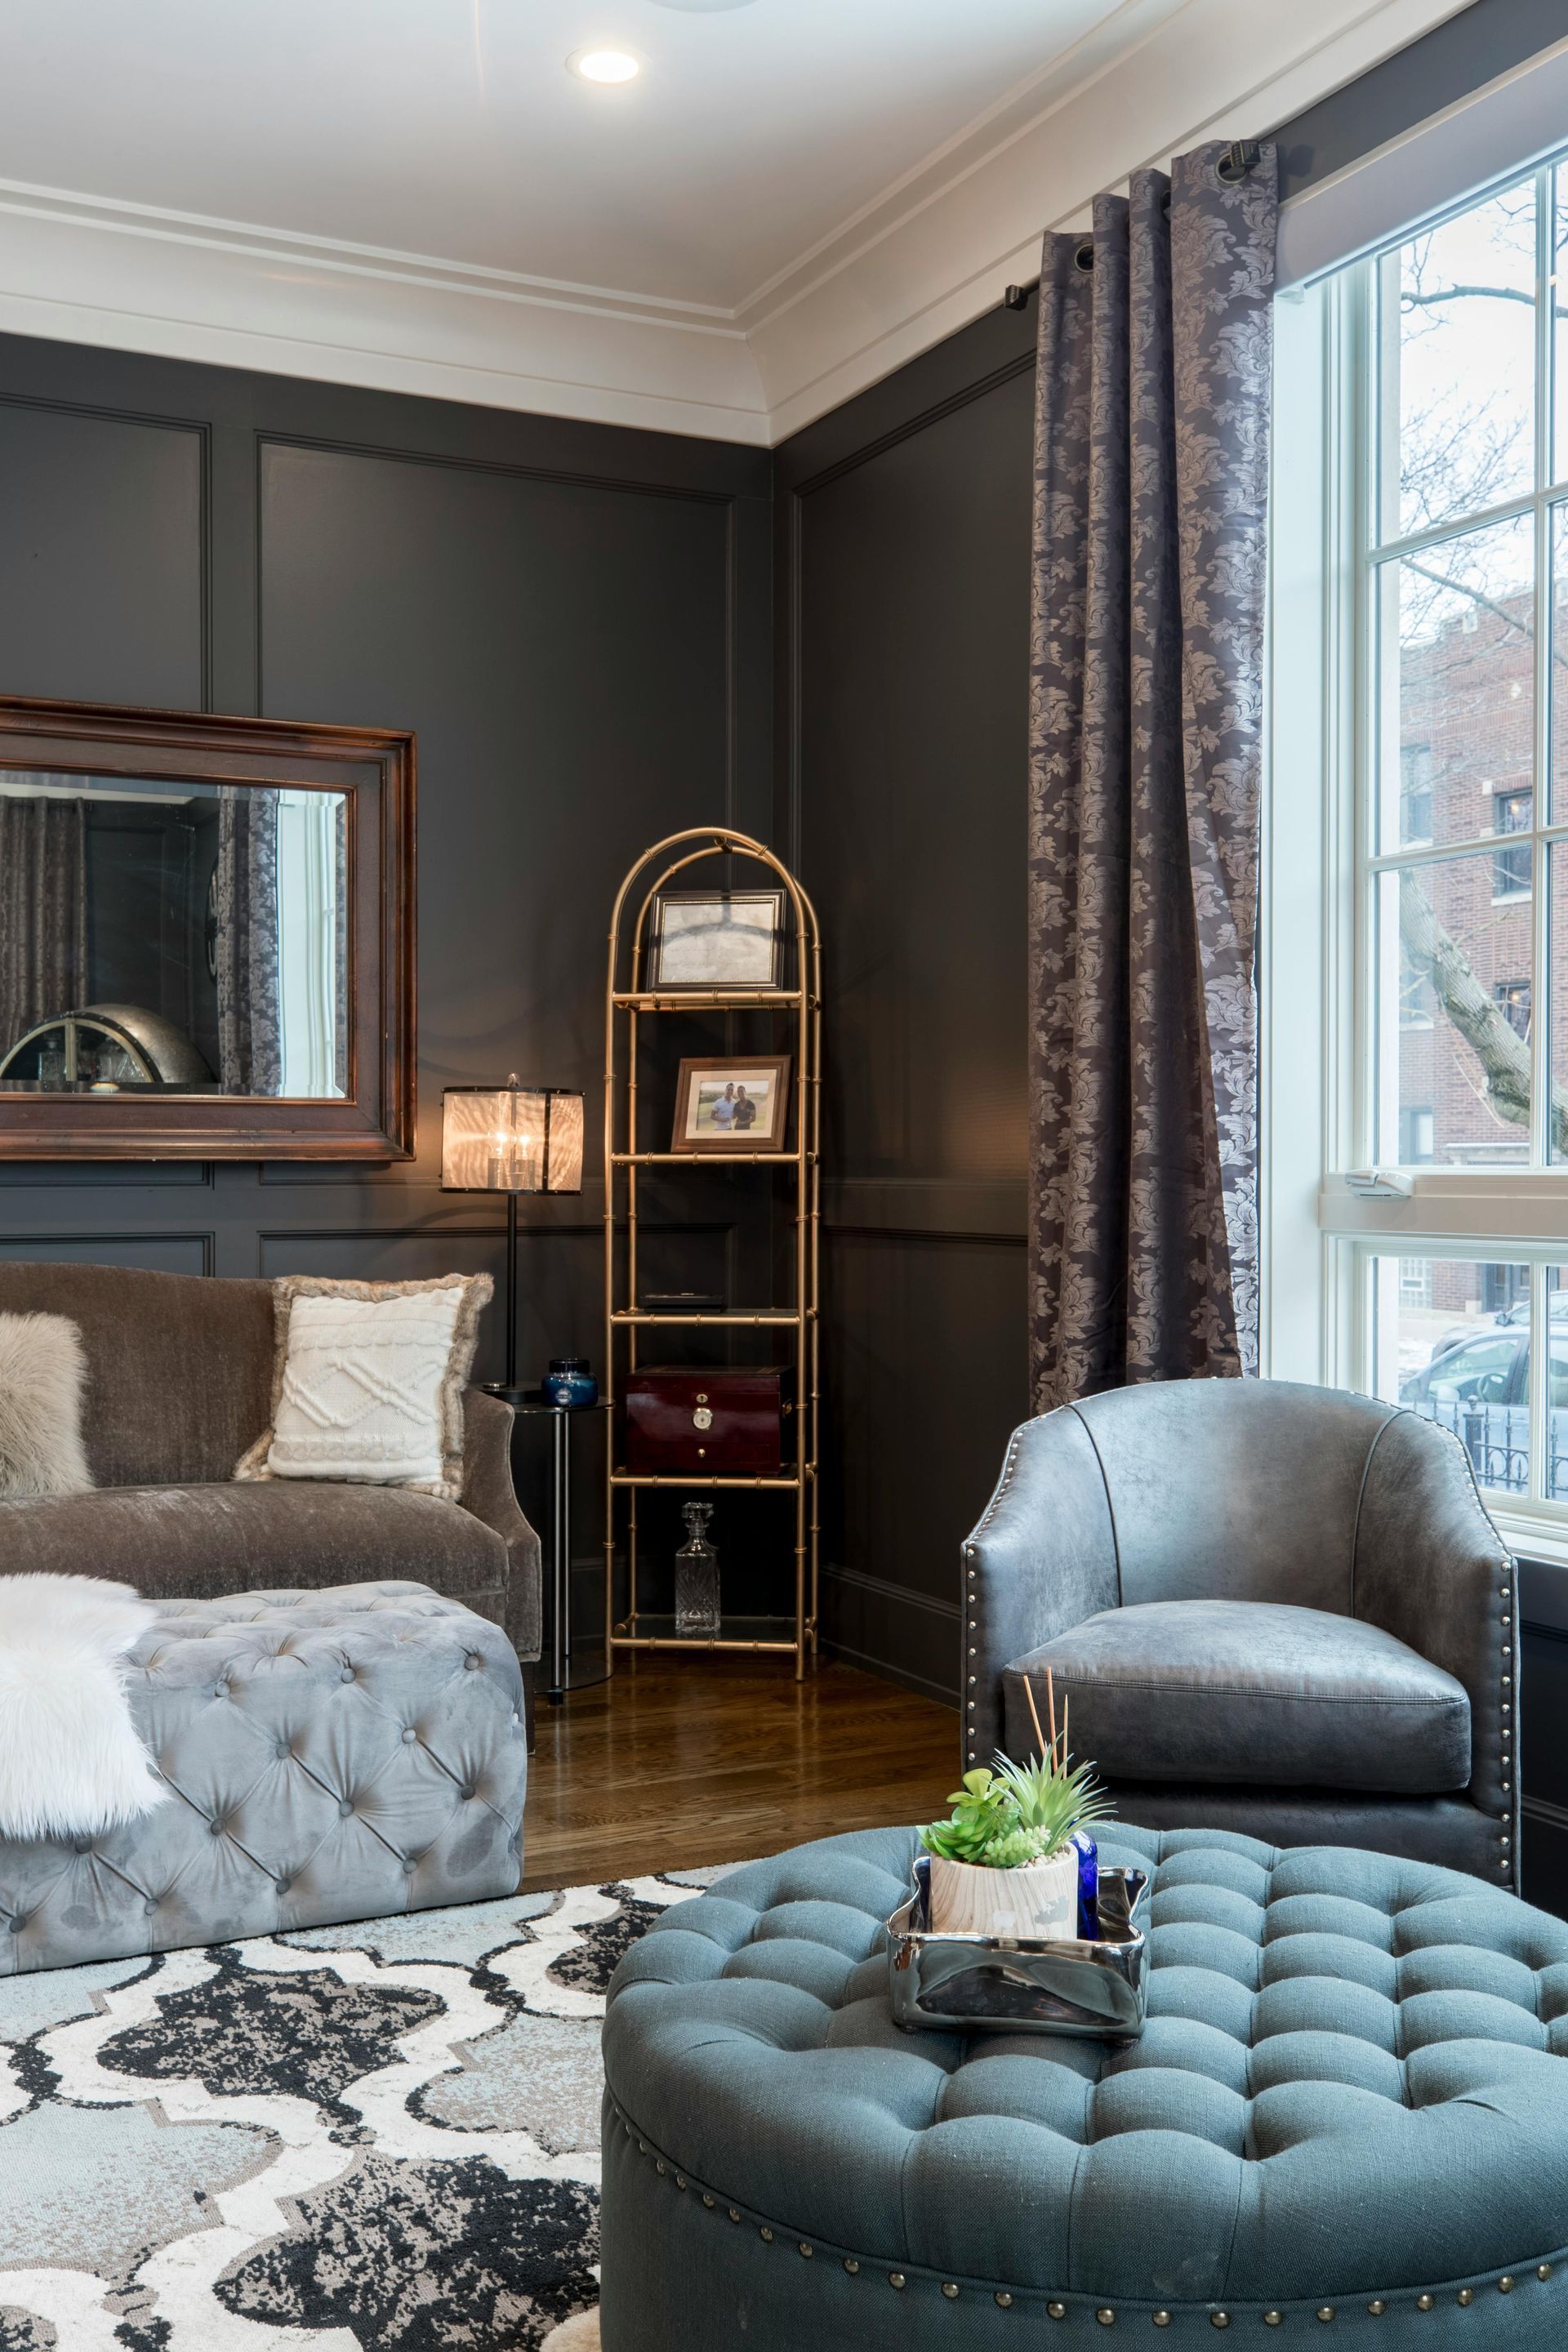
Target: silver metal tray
x=1005, y=1984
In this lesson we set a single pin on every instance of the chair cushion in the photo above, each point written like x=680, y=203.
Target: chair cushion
x=1249, y=1690
x=181, y=1542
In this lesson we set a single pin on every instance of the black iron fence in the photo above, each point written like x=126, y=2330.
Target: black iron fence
x=1497, y=1439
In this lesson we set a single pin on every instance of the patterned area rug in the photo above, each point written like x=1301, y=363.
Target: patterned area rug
x=372, y=2138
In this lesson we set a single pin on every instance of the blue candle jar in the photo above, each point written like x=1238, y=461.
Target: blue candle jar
x=570, y=1383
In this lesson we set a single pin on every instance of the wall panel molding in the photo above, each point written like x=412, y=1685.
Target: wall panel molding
x=575, y=617
x=166, y=1252
x=901, y=597
x=910, y=1637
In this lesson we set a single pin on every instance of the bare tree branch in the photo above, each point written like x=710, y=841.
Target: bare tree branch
x=1502, y=1053
x=1487, y=603
x=1470, y=293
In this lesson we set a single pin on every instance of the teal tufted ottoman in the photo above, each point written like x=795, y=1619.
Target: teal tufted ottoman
x=1346, y=2121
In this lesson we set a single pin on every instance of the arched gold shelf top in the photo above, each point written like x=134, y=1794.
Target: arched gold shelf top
x=713, y=841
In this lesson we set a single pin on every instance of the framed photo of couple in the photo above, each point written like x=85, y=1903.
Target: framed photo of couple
x=732, y=1102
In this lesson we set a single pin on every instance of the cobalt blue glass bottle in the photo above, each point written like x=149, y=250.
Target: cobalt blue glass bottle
x=1087, y=1885
x=570, y=1383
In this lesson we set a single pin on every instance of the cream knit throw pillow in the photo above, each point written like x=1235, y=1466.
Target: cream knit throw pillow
x=368, y=1382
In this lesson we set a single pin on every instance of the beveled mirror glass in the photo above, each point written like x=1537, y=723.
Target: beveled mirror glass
x=205, y=937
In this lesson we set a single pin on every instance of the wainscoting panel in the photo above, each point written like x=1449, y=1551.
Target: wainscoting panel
x=903, y=601
x=561, y=649
x=164, y=1253
x=923, y=1373
x=90, y=1175
x=101, y=555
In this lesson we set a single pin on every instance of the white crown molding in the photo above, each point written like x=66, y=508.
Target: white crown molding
x=931, y=252
x=943, y=253
x=83, y=268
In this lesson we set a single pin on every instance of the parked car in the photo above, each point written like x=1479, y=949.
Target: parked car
x=1478, y=1385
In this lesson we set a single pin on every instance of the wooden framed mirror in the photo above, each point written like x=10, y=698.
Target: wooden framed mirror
x=207, y=936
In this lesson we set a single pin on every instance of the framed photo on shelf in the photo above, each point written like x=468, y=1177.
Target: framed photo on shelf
x=732, y=1102
x=717, y=939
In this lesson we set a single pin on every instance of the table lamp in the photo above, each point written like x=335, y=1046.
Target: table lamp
x=511, y=1139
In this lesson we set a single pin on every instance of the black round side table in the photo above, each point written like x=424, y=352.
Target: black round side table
x=591, y=1665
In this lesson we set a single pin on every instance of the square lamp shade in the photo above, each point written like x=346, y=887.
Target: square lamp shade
x=511, y=1139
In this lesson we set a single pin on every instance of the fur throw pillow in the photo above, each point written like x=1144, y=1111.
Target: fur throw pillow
x=368, y=1381
x=42, y=1374
x=71, y=1760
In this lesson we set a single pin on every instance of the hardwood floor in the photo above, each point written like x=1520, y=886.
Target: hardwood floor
x=680, y=1762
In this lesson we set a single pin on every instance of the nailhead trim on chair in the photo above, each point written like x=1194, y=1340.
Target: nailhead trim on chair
x=1008, y=1465
x=1008, y=2298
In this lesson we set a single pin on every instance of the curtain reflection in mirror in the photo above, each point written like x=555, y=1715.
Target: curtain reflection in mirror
x=43, y=907
x=245, y=945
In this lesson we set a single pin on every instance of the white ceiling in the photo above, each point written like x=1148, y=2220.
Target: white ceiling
x=793, y=196
x=451, y=127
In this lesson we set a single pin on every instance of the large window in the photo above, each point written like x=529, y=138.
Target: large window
x=1439, y=412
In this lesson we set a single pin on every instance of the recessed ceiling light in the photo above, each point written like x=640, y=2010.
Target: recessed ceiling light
x=604, y=65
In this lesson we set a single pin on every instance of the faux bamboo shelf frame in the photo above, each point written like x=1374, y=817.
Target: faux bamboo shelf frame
x=624, y=1008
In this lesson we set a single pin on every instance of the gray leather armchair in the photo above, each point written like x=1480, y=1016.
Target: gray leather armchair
x=1273, y=1608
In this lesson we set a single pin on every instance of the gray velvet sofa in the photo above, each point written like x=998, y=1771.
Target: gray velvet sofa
x=179, y=1384
x=1276, y=1609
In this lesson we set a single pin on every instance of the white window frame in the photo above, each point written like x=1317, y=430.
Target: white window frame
x=1320, y=1240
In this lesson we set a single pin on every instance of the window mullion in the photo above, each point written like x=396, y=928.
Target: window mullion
x=1368, y=430
x=1540, y=1359
x=1541, y=896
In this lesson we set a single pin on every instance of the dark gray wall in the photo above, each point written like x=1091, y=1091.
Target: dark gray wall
x=575, y=620
x=903, y=528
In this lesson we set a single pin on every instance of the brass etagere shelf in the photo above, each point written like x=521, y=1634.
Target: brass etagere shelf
x=625, y=1007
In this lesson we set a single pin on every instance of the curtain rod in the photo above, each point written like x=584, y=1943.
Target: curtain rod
x=1242, y=156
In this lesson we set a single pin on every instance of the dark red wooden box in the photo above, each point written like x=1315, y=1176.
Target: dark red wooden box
x=732, y=1423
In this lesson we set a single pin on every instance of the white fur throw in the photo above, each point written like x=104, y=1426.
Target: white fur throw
x=42, y=1374
x=71, y=1761
x=369, y=1382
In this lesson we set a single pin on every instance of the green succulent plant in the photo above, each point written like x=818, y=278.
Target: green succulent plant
x=1020, y=1812
x=982, y=1813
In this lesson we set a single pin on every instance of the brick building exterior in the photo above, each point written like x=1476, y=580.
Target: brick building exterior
x=1467, y=729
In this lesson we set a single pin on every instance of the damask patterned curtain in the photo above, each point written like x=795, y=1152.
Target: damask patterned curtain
x=1151, y=489
x=43, y=911
x=245, y=946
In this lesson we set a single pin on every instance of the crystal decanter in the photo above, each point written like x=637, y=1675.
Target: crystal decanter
x=696, y=1575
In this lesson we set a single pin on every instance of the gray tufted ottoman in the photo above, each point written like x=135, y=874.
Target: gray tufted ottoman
x=334, y=1755
x=1347, y=2120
